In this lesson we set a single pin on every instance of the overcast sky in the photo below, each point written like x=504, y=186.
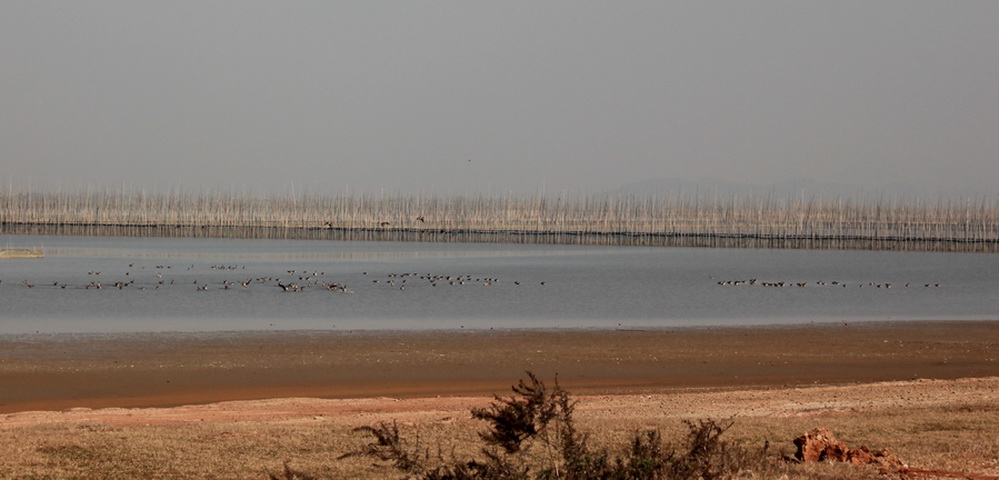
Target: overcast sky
x=496, y=96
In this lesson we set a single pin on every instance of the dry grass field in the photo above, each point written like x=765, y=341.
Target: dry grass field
x=921, y=390
x=947, y=424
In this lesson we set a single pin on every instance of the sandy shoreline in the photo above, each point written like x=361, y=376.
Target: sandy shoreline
x=239, y=405
x=55, y=372
x=788, y=402
x=942, y=428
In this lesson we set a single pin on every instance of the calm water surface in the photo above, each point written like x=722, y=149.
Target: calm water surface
x=389, y=286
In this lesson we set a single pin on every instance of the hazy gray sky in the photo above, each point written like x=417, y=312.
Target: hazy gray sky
x=462, y=96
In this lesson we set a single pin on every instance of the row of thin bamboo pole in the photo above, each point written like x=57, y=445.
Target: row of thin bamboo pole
x=627, y=219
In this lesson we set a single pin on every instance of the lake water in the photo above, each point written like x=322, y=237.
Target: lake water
x=392, y=285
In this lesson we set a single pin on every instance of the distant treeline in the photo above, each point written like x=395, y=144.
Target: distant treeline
x=882, y=224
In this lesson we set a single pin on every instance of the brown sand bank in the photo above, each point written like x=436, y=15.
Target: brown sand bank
x=51, y=372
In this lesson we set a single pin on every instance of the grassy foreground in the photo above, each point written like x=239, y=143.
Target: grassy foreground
x=933, y=430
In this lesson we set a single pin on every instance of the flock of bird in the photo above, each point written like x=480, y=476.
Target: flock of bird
x=753, y=281
x=139, y=280
x=400, y=280
x=289, y=281
x=297, y=281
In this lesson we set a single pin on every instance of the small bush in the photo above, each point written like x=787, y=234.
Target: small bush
x=389, y=446
x=535, y=426
x=518, y=418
